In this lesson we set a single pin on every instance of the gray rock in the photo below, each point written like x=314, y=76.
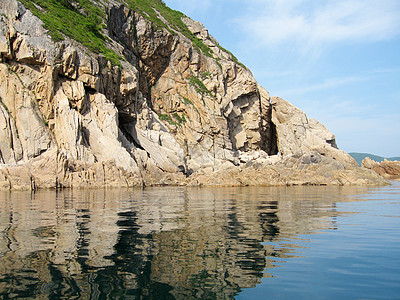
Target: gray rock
x=34, y=135
x=10, y=146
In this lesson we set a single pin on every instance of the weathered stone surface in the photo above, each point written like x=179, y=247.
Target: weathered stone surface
x=53, y=169
x=68, y=129
x=169, y=114
x=16, y=178
x=34, y=135
x=309, y=168
x=10, y=145
x=387, y=169
x=296, y=133
x=101, y=132
x=162, y=148
x=4, y=47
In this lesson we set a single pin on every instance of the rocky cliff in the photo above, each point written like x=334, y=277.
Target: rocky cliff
x=132, y=93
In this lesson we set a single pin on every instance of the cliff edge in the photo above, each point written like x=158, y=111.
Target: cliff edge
x=132, y=93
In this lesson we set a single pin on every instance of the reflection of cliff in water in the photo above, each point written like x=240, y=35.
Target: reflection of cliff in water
x=156, y=243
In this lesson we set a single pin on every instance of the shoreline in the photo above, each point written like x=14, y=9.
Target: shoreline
x=53, y=174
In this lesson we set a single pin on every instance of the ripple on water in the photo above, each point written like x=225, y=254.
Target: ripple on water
x=185, y=243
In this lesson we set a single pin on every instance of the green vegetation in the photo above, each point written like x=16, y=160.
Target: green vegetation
x=233, y=56
x=45, y=122
x=173, y=17
x=5, y=107
x=199, y=86
x=167, y=118
x=83, y=21
x=180, y=119
x=217, y=60
x=80, y=20
x=187, y=102
x=10, y=70
x=206, y=75
x=19, y=78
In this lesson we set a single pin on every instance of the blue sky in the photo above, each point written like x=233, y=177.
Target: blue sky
x=337, y=60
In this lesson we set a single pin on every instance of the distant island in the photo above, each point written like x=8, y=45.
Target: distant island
x=360, y=156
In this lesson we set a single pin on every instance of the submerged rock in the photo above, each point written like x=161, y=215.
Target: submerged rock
x=173, y=108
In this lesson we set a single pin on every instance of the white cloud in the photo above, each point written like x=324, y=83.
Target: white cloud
x=336, y=82
x=358, y=126
x=366, y=134
x=328, y=84
x=315, y=23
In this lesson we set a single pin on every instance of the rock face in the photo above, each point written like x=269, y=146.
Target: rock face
x=387, y=169
x=170, y=113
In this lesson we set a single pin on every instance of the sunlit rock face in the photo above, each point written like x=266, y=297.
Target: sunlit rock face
x=386, y=168
x=175, y=107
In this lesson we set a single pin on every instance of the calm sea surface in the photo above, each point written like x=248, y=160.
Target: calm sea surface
x=201, y=243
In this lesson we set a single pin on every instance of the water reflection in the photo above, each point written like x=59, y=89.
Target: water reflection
x=159, y=243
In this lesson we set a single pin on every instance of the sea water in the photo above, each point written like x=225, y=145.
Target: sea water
x=299, y=242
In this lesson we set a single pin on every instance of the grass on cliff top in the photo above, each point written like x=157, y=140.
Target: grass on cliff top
x=82, y=22
x=173, y=17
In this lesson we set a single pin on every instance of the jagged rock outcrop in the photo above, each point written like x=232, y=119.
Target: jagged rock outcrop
x=310, y=168
x=386, y=168
x=177, y=108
